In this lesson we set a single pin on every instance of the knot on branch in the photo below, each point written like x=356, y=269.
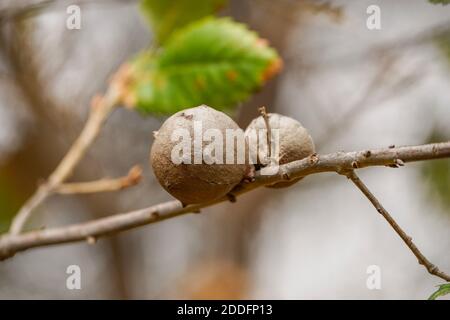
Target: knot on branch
x=313, y=159
x=396, y=163
x=432, y=269
x=91, y=240
x=355, y=164
x=5, y=252
x=154, y=215
x=231, y=197
x=367, y=153
x=284, y=173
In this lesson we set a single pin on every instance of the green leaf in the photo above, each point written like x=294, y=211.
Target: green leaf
x=165, y=16
x=443, y=2
x=214, y=61
x=443, y=290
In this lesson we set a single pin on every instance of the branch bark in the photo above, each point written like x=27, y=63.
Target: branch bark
x=339, y=162
x=102, y=185
x=431, y=268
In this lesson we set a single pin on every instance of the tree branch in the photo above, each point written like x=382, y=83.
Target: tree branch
x=102, y=185
x=339, y=162
x=101, y=108
x=432, y=269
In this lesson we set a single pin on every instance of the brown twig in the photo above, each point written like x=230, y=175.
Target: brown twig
x=432, y=269
x=102, y=185
x=336, y=162
x=100, y=110
x=263, y=112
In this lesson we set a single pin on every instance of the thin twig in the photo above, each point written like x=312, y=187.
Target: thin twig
x=432, y=269
x=102, y=185
x=335, y=162
x=100, y=110
x=265, y=116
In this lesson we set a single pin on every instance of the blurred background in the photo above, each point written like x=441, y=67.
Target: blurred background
x=351, y=87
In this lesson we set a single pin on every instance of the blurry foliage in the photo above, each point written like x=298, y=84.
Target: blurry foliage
x=10, y=201
x=437, y=173
x=443, y=2
x=443, y=290
x=201, y=60
x=213, y=61
x=443, y=43
x=214, y=280
x=168, y=15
